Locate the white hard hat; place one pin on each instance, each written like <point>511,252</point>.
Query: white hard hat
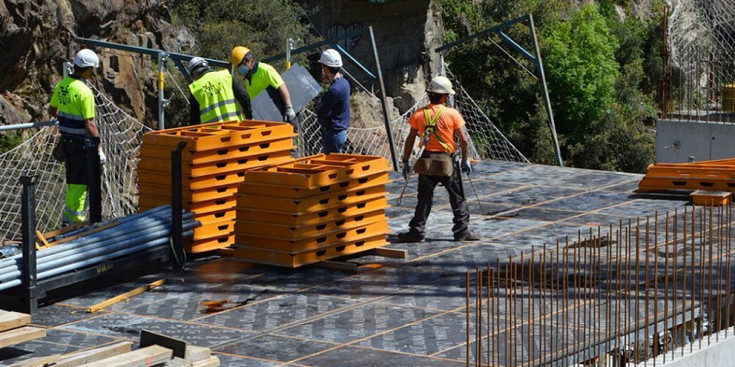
<point>331,58</point>
<point>86,58</point>
<point>197,63</point>
<point>440,85</point>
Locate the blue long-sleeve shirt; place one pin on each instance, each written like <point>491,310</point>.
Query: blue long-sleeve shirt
<point>333,109</point>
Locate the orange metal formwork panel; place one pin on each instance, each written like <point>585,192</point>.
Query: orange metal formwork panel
<point>148,151</point>
<point>291,192</point>
<point>163,192</point>
<point>683,183</point>
<point>310,205</point>
<point>320,170</point>
<point>296,219</point>
<point>216,216</point>
<point>260,229</point>
<point>708,172</point>
<point>702,197</point>
<point>216,168</point>
<point>264,256</point>
<point>160,178</point>
<point>338,237</point>
<point>219,135</point>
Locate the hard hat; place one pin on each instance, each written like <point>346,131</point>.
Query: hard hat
<point>238,53</point>
<point>86,58</point>
<point>331,58</point>
<point>197,63</point>
<point>440,85</point>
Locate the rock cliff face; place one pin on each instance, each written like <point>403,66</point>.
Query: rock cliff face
<point>38,36</point>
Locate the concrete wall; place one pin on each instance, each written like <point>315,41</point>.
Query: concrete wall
<point>677,140</point>
<point>406,32</point>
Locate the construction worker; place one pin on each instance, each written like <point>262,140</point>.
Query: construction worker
<point>333,108</point>
<point>259,76</point>
<point>72,103</point>
<point>215,95</point>
<point>438,125</point>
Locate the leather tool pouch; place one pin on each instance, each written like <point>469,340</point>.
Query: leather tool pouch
<point>435,165</point>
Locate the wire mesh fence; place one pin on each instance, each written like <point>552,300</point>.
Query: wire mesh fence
<point>700,61</point>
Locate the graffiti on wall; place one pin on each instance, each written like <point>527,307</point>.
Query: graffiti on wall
<point>337,30</point>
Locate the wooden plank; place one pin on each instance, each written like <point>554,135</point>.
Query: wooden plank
<point>209,362</point>
<point>143,357</point>
<point>38,361</point>
<point>21,335</point>
<point>92,355</point>
<point>194,354</point>
<point>388,252</point>
<point>66,229</point>
<point>95,230</point>
<point>178,347</point>
<point>122,297</point>
<point>41,241</point>
<point>11,320</point>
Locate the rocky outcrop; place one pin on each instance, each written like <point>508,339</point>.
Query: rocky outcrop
<point>38,36</point>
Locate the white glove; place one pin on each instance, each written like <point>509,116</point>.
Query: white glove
<point>289,114</point>
<point>103,157</point>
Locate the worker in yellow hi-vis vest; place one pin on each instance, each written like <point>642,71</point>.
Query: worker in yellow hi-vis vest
<point>215,95</point>
<point>73,105</point>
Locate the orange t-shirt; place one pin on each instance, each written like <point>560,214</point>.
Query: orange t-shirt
<point>449,121</point>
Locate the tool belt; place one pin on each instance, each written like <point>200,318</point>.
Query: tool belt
<point>434,164</point>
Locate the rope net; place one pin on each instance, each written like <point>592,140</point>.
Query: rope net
<point>121,137</point>
<point>486,141</point>
<point>701,43</point>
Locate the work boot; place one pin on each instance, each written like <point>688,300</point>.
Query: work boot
<point>410,237</point>
<point>467,236</point>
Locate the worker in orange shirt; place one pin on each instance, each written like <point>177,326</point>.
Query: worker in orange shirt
<point>438,125</point>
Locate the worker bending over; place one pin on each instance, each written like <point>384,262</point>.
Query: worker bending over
<point>259,76</point>
<point>333,108</point>
<point>438,125</point>
<point>72,103</point>
<point>215,95</point>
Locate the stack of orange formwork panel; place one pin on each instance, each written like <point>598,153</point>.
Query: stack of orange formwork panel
<point>214,163</point>
<point>313,209</point>
<point>715,175</point>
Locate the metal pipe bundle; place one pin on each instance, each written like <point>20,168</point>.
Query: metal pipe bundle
<point>135,233</point>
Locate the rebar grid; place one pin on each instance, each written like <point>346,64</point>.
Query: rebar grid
<point>634,293</point>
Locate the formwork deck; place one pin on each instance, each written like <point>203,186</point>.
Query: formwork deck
<point>392,312</point>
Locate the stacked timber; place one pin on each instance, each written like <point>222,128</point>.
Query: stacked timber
<point>14,329</point>
<point>313,209</point>
<point>214,163</point>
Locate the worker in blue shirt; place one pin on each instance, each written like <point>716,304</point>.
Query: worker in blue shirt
<point>333,108</point>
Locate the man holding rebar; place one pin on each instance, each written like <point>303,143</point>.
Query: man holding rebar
<point>438,125</point>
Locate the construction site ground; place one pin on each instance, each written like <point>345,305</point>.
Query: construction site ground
<point>390,312</point>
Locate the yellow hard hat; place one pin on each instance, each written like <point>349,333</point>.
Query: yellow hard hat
<point>237,54</point>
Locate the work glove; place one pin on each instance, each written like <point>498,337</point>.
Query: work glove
<point>406,170</point>
<point>289,114</point>
<point>103,157</point>
<point>466,168</point>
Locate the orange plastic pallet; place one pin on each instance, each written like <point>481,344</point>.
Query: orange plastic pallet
<point>219,155</point>
<point>260,229</point>
<point>219,135</point>
<point>213,230</point>
<point>310,205</point>
<point>216,243</point>
<point>678,183</point>
<point>302,193</point>
<point>319,170</point>
<point>327,240</point>
<point>331,214</point>
<point>263,256</point>
<point>158,178</point>
<point>209,169</point>
<point>163,192</point>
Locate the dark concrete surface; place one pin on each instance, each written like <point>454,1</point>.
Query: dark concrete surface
<point>392,312</point>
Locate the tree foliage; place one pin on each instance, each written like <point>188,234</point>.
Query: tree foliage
<point>603,68</point>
